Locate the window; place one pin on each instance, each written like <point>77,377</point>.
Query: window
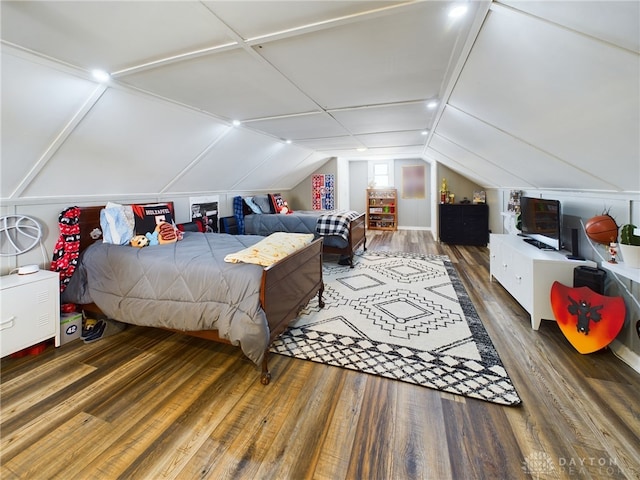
<point>381,174</point>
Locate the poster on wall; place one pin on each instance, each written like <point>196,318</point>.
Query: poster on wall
<point>205,209</point>
<point>413,181</point>
<point>322,191</point>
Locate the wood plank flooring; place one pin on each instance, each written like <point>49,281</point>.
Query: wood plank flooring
<point>149,404</point>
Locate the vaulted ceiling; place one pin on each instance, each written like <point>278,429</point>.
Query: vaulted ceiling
<point>510,94</point>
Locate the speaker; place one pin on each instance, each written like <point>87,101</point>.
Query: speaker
<point>574,246</point>
<point>591,277</point>
<point>574,242</point>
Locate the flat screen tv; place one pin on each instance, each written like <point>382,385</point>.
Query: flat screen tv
<point>541,222</point>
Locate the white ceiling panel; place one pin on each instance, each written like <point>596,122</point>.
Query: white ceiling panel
<point>412,53</point>
<point>238,153</point>
<point>230,84</point>
<point>126,144</point>
<point>593,18</point>
<point>252,19</point>
<point>515,156</point>
<point>300,127</point>
<point>111,35</point>
<point>459,165</point>
<point>375,153</point>
<point>390,118</point>
<point>520,84</point>
<point>347,143</point>
<point>569,95</point>
<point>372,140</point>
<point>483,171</point>
<point>37,102</point>
<point>272,170</point>
<point>300,171</point>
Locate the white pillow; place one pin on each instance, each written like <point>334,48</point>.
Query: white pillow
<point>117,223</point>
<point>251,204</point>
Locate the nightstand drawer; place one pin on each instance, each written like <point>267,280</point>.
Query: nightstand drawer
<point>30,310</point>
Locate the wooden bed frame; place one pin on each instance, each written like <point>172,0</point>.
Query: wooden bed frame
<point>357,237</point>
<point>286,286</point>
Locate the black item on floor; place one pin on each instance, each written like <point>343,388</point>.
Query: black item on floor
<point>229,225</point>
<point>591,277</point>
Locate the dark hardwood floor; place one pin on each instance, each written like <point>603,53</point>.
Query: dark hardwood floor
<point>150,404</point>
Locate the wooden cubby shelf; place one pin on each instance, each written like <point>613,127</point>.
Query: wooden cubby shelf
<point>382,209</point>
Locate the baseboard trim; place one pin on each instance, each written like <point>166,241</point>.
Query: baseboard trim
<point>428,229</point>
<point>625,354</point>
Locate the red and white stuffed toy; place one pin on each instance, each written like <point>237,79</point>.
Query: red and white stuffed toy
<point>167,233</point>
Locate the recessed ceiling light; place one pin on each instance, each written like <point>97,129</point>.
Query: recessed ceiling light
<point>236,123</point>
<point>361,149</point>
<point>287,141</point>
<point>424,132</point>
<point>432,104</point>
<point>458,11</point>
<point>100,75</point>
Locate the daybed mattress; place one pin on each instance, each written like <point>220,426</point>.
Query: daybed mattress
<point>301,221</point>
<point>185,285</point>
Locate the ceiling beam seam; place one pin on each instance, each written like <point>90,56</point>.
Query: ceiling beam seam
<point>534,147</point>
<point>299,164</point>
<point>196,160</point>
<point>513,11</point>
<point>42,59</point>
<point>457,166</point>
<point>479,156</point>
<point>472,37</point>
<point>60,139</point>
<point>256,166</point>
<point>174,59</point>
<point>262,60</point>
<point>326,24</point>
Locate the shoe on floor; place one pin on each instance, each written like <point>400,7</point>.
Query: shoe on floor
<point>105,328</point>
<point>88,326</point>
<point>344,261</point>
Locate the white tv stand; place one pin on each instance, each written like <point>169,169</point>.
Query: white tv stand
<point>528,273</point>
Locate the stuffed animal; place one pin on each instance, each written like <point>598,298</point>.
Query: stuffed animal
<point>166,233</point>
<point>285,210</point>
<point>153,238</point>
<point>139,241</point>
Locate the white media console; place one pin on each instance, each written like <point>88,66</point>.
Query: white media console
<point>528,273</point>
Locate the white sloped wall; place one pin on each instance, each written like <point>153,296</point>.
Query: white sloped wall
<point>549,97</point>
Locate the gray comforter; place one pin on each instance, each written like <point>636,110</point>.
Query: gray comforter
<point>301,221</point>
<point>186,285</point>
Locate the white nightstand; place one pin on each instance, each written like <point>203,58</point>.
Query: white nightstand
<point>29,310</point>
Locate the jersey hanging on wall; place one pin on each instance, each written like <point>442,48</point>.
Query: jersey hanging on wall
<point>322,191</point>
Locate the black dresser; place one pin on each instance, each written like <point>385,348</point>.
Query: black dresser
<point>464,224</point>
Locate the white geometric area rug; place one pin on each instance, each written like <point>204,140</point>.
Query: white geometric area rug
<point>402,316</point>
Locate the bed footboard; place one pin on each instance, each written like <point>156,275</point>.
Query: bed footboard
<point>357,237</point>
<point>287,286</point>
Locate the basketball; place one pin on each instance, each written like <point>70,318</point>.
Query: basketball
<point>602,229</point>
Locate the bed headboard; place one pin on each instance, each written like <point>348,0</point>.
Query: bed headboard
<point>89,222</point>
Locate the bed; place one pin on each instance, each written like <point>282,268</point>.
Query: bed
<point>343,232</point>
<point>187,286</point>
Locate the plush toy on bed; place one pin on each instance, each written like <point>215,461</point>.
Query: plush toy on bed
<point>167,233</point>
<point>139,241</point>
<point>285,209</point>
<point>152,238</point>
